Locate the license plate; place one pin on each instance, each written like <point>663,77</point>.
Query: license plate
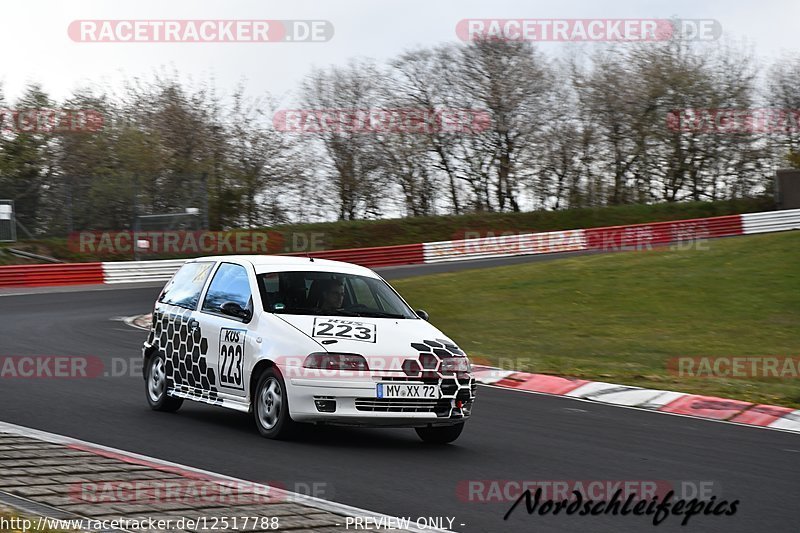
<point>406,390</point>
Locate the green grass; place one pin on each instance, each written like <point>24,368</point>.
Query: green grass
<point>619,317</point>
<point>366,233</point>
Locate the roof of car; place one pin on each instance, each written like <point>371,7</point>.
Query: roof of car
<point>279,263</point>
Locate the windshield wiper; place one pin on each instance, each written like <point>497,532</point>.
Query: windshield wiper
<point>315,311</point>
<point>380,314</point>
<point>341,312</point>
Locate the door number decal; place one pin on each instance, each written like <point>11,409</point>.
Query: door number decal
<point>231,358</point>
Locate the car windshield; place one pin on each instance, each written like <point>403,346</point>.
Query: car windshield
<point>330,293</point>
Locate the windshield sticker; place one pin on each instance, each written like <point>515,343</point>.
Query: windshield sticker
<point>335,328</point>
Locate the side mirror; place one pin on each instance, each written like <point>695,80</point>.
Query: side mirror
<point>235,310</point>
<point>422,314</point>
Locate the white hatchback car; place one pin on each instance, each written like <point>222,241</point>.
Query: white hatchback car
<point>303,340</point>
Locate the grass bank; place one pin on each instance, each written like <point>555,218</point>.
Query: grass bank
<point>366,233</point>
<point>620,317</point>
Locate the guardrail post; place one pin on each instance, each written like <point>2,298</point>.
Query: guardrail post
<point>787,188</point>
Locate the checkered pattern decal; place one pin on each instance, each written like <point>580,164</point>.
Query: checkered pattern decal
<point>458,386</point>
<point>181,341</point>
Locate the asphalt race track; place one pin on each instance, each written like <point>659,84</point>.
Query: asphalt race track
<point>512,435</point>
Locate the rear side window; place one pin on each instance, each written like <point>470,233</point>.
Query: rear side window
<point>230,284</point>
<point>185,287</point>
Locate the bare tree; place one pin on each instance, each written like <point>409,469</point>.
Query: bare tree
<point>262,161</point>
<point>512,82</point>
<point>693,163</point>
<point>358,188</point>
<point>27,163</point>
<point>783,92</point>
<point>610,96</point>
<point>424,78</point>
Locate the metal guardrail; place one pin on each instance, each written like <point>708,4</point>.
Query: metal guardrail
<point>140,271</point>
<point>50,275</point>
<point>771,221</point>
<point>637,236</point>
<point>506,245</point>
<point>610,238</point>
<point>382,256</point>
<point>642,237</point>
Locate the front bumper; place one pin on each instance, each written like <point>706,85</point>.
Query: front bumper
<point>356,401</point>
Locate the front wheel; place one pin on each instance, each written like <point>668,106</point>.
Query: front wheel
<point>156,386</point>
<point>440,434</point>
<point>271,407</point>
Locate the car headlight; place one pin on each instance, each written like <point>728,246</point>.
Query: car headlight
<point>336,361</point>
<point>455,364</point>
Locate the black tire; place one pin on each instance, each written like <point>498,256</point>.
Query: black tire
<point>156,384</point>
<point>271,406</point>
<point>440,434</point>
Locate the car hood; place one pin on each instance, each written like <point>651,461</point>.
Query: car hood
<point>385,342</point>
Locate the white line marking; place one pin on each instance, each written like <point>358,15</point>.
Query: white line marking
<point>129,320</point>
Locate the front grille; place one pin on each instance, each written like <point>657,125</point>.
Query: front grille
<point>464,395</point>
<point>449,387</point>
<point>396,405</point>
<point>406,379</point>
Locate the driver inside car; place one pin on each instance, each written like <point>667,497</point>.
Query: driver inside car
<point>326,294</point>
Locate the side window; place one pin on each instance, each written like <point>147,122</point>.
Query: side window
<point>270,290</point>
<point>362,294</point>
<point>230,284</point>
<point>187,283</point>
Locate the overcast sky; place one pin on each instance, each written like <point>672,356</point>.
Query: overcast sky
<point>36,46</point>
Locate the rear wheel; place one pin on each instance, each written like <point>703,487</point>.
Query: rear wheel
<point>156,386</point>
<point>271,406</point>
<point>440,434</point>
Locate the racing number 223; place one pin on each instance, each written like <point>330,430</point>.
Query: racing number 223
<point>354,330</point>
<point>231,355</point>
